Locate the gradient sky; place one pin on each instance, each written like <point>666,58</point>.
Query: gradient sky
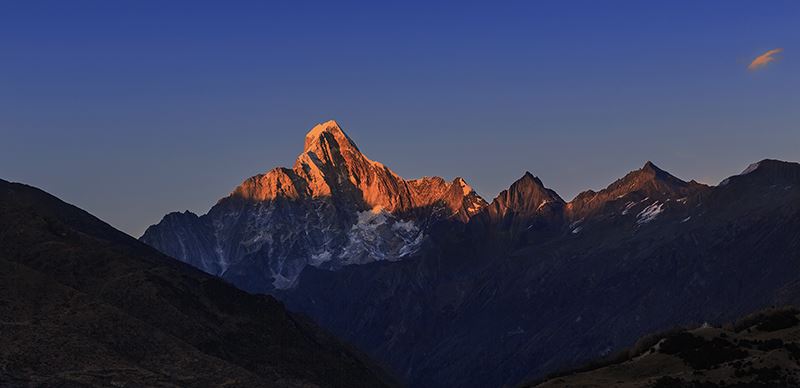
<point>132,109</point>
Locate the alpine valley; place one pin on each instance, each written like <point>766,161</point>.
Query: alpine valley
<point>449,290</point>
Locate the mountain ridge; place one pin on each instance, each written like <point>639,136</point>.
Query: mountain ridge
<point>428,287</point>
<point>543,294</point>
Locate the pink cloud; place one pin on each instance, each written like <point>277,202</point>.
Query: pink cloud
<point>763,59</point>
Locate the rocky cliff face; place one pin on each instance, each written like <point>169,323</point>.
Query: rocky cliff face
<point>335,207</point>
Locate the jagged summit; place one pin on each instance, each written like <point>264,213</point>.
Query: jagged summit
<point>531,184</point>
<point>329,131</point>
<point>526,197</point>
<point>649,177</point>
<point>529,178</point>
<point>331,166</point>
<point>650,168</point>
<point>334,207</point>
<point>649,182</point>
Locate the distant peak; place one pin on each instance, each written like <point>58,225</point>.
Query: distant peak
<point>650,166</point>
<point>529,183</point>
<point>771,170</point>
<point>321,133</point>
<point>768,165</point>
<point>327,126</point>
<point>651,172</point>
<point>527,196</point>
<point>765,163</point>
<point>529,178</point>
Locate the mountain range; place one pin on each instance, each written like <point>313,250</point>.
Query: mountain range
<point>449,290</point>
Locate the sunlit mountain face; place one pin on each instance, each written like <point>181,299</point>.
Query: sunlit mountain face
<point>427,277</point>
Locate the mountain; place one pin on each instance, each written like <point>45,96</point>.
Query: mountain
<point>82,304</point>
<point>335,207</point>
<point>448,290</point>
<point>760,350</point>
<point>642,185</point>
<point>522,291</point>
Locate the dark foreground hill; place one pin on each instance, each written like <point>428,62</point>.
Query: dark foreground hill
<point>761,350</point>
<point>82,304</point>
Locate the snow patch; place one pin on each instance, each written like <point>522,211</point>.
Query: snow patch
<point>378,235</point>
<point>320,258</point>
<point>406,226</point>
<point>751,168</point>
<point>628,208</point>
<point>650,213</point>
<point>370,219</point>
<point>411,247</point>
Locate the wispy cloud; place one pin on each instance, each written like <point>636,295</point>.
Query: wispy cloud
<point>763,59</point>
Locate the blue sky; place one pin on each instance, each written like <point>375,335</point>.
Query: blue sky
<point>132,109</point>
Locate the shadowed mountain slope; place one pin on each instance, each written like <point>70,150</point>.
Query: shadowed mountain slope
<point>82,304</point>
